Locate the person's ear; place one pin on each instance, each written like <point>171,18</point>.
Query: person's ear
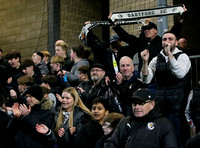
<point>152,104</point>
<point>107,112</point>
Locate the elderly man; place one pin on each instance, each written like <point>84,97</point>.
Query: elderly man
<point>145,127</point>
<point>97,87</point>
<point>171,71</point>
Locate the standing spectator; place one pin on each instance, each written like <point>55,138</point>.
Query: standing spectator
<point>84,73</point>
<point>92,131</point>
<point>109,57</point>
<point>23,83</point>
<point>148,39</point>
<point>62,49</point>
<point>4,120</point>
<point>97,87</point>
<point>50,82</point>
<point>26,117</point>
<point>110,122</point>
<point>73,115</point>
<point>37,58</point>
<point>127,83</point>
<point>192,111</point>
<point>46,58</point>
<point>145,128</point>
<point>183,45</point>
<point>57,63</point>
<point>29,68</point>
<point>77,57</point>
<point>13,73</point>
<point>171,70</point>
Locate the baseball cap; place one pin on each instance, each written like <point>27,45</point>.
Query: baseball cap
<point>114,38</point>
<point>141,95</point>
<point>149,26</point>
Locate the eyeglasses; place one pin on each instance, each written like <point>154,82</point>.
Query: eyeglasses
<point>96,70</point>
<point>140,103</point>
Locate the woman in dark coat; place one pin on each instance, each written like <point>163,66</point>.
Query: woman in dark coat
<point>73,115</point>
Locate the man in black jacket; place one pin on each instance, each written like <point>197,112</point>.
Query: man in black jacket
<point>145,128</point>
<point>109,57</point>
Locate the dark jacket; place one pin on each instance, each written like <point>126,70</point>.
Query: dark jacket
<point>88,135</point>
<point>152,131</point>
<point>103,91</point>
<point>23,130</point>
<point>103,54</point>
<point>80,118</point>
<point>126,89</point>
<point>139,44</point>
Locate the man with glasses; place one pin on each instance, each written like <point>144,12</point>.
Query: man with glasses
<point>98,87</point>
<point>146,127</point>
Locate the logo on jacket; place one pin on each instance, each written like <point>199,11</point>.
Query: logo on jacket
<point>150,126</point>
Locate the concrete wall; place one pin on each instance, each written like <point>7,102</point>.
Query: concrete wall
<point>20,22</point>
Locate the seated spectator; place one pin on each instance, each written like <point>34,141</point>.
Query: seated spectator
<point>37,58</point>
<point>110,122</point>
<point>92,131</point>
<point>25,118</point>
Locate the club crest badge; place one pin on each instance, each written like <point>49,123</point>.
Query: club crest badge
<point>150,126</point>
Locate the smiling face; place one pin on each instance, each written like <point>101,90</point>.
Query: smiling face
<point>150,33</point>
<point>14,62</point>
<point>126,67</point>
<point>67,102</point>
<point>98,112</point>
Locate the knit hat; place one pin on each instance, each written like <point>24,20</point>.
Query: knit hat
<point>35,91</point>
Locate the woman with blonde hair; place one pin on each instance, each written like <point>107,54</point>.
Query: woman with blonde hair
<point>73,115</point>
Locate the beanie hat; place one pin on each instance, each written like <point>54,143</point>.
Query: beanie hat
<point>35,91</point>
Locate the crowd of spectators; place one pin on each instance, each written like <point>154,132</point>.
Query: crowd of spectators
<point>66,100</point>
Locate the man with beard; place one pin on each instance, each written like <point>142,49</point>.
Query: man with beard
<point>171,71</point>
<point>109,57</point>
<point>98,87</point>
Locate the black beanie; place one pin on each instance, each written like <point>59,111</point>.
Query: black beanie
<point>35,91</point>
